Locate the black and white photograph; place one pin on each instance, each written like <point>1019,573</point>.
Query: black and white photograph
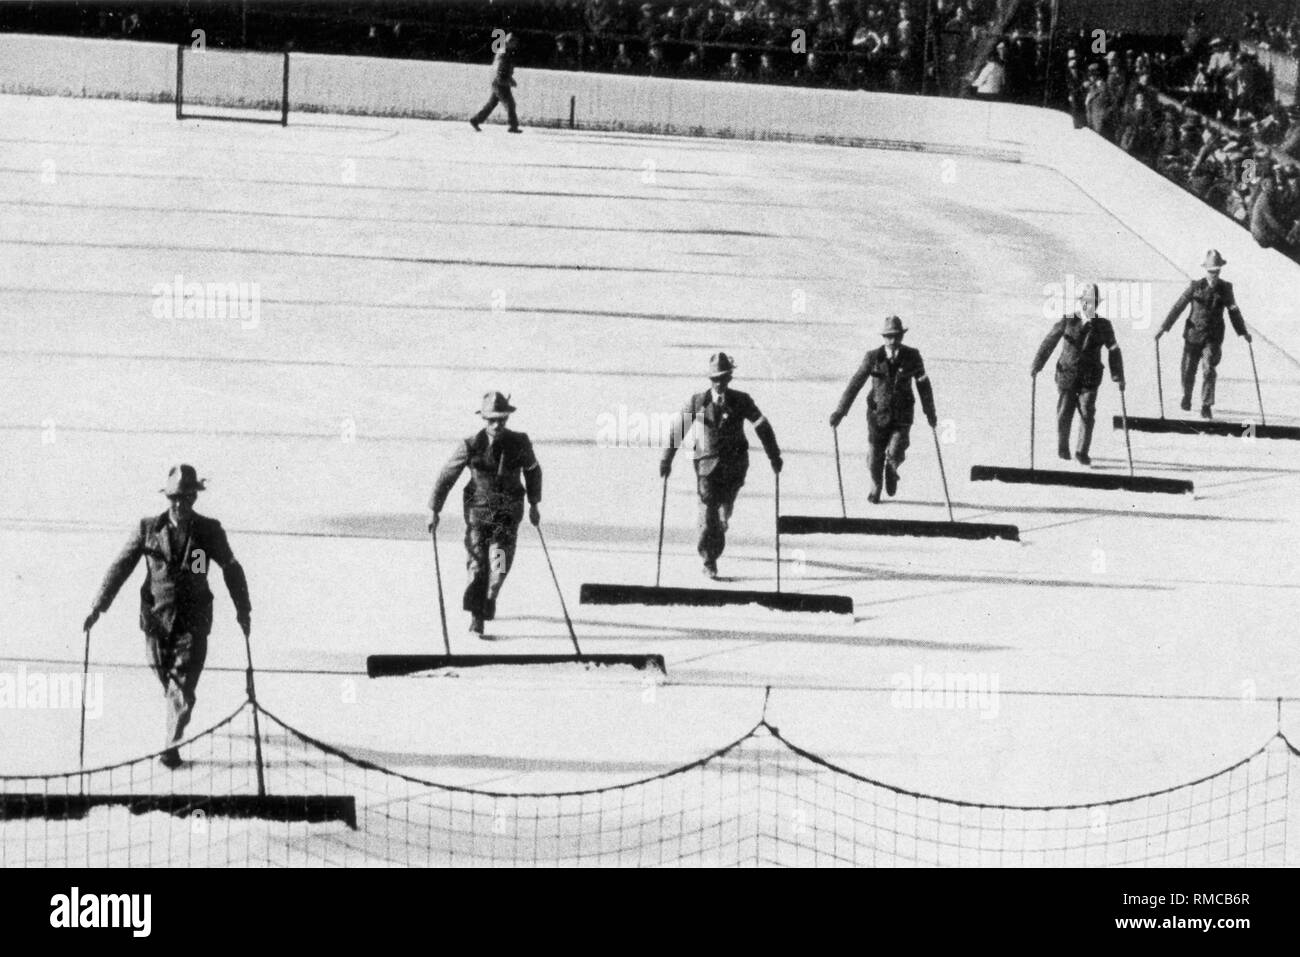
<point>690,433</point>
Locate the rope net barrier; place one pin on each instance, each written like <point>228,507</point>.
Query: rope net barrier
<point>759,801</point>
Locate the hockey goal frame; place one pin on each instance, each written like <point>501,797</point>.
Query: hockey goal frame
<point>182,114</point>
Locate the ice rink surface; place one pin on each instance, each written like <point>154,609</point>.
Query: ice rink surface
<point>404,268</point>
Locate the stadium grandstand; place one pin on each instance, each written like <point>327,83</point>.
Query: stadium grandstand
<point>1204,92</point>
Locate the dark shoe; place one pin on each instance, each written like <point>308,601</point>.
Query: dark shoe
<point>514,129</point>
<point>891,480</point>
<point>1205,412</point>
<point>1083,458</point>
<point>170,759</point>
<point>474,123</point>
<point>1186,404</point>
<point>476,625</point>
<point>874,497</point>
<point>711,570</point>
<point>489,609</point>
<point>1063,453</point>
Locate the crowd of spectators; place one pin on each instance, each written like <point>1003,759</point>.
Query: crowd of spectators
<point>866,44</point>
<point>855,44</point>
<point>1223,80</point>
<point>1239,174</point>
<point>1280,35</point>
<point>842,43</point>
<point>1223,136</point>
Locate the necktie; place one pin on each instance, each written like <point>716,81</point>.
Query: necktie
<point>177,537</point>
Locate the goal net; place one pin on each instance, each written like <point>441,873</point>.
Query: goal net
<point>216,84</point>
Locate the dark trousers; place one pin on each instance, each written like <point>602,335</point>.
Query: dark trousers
<point>1207,354</point>
<point>717,491</point>
<point>887,445</point>
<point>490,539</point>
<point>1067,402</point>
<point>177,662</point>
<point>500,94</point>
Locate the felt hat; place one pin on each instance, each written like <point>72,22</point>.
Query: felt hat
<point>721,364</point>
<point>893,327</point>
<point>182,480</point>
<point>496,406</point>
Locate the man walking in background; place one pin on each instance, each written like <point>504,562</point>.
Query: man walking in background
<point>891,407</point>
<point>718,416</point>
<point>1078,371</point>
<point>502,471</point>
<point>503,82</point>
<point>175,602</point>
<point>1204,332</point>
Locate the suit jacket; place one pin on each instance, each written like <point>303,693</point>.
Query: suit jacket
<point>1208,302</point>
<point>890,400</point>
<point>501,473</point>
<point>1080,364</point>
<point>720,430</point>
<point>175,597</point>
<point>503,68</point>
